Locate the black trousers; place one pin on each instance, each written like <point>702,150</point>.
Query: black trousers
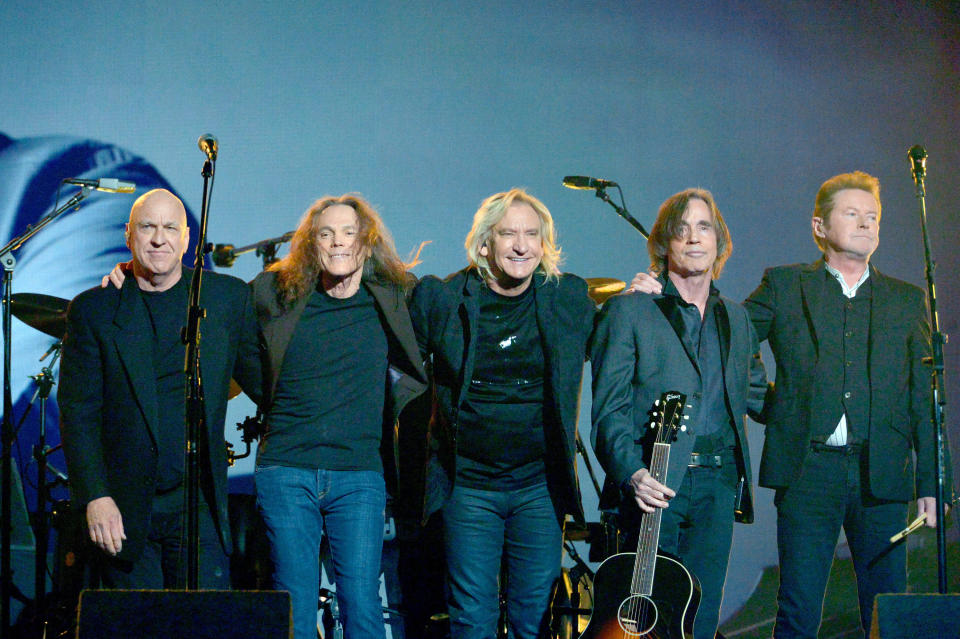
<point>697,527</point>
<point>163,563</point>
<point>829,494</point>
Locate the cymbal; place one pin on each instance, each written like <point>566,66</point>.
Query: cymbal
<point>603,288</point>
<point>46,313</point>
<point>573,531</point>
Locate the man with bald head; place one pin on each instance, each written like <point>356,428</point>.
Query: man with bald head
<point>122,405</point>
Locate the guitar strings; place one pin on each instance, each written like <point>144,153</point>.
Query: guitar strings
<point>643,573</point>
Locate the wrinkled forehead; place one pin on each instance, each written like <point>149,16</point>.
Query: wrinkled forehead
<point>159,208</point>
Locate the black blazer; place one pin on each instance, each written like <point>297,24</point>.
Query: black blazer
<point>445,315</point>
<point>788,310</point>
<point>108,403</point>
<point>637,355</point>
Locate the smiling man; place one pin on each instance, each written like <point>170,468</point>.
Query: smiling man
<point>506,338</point>
<point>121,396</point>
<point>691,340</point>
<point>342,361</point>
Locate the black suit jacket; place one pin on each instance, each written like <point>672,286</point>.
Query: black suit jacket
<point>108,402</point>
<point>637,355</point>
<point>445,315</point>
<point>788,310</point>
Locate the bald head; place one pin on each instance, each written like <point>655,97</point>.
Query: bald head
<point>157,236</point>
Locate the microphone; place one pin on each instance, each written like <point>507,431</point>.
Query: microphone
<point>583,182</point>
<point>208,144</point>
<point>918,161</point>
<point>223,255</point>
<point>107,185</point>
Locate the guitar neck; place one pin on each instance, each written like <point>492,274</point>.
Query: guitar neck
<point>642,583</point>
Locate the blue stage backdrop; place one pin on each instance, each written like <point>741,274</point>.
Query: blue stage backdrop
<point>427,107</point>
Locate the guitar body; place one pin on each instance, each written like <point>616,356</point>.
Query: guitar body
<point>667,613</point>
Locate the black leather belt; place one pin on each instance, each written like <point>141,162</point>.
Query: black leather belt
<point>849,449</point>
<point>702,460</point>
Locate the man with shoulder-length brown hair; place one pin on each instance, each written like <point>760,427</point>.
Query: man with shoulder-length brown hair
<point>690,340</point>
<point>337,333</point>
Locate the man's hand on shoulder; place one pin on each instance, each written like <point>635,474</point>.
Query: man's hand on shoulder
<point>645,283</point>
<point>648,492</point>
<point>105,525</point>
<point>117,275</point>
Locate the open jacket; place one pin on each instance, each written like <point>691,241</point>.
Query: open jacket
<point>109,407</point>
<point>788,309</point>
<point>406,378</point>
<point>637,355</point>
<point>445,316</point>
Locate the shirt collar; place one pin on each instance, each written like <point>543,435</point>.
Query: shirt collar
<point>849,291</point>
<point>670,289</point>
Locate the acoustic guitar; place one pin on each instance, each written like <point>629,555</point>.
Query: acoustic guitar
<point>647,594</point>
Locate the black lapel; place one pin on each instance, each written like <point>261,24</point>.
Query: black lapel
<point>814,294</point>
<point>723,330</point>
<point>470,318</point>
<point>390,301</point>
<point>133,341</point>
<point>671,310</point>
<point>544,300</point>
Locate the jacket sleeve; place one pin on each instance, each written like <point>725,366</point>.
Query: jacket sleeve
<point>758,379</point>
<point>247,370</point>
<point>761,306</point>
<point>613,357</point>
<point>80,399</point>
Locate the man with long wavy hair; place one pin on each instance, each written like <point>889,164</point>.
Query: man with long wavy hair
<point>507,339</point>
<point>337,334</point>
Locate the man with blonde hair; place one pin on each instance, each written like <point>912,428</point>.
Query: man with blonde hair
<point>506,339</point>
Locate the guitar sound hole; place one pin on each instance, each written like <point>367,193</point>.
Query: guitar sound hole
<point>637,615</point>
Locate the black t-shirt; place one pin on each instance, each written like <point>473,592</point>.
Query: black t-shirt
<point>167,311</point>
<point>328,405</point>
<point>500,439</point>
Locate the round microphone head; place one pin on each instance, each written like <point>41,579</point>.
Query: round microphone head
<point>917,153</point>
<point>208,144</point>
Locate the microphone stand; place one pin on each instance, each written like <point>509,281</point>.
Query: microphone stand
<point>226,254</point>
<point>195,406</point>
<point>938,400</point>
<point>7,433</point>
<point>45,384</point>
<point>622,211</point>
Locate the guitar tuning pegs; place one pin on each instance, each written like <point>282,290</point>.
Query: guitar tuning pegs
<point>656,402</point>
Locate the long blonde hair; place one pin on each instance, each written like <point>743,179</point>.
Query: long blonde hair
<point>490,213</point>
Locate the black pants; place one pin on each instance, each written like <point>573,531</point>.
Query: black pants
<point>163,563</point>
<point>829,494</point>
<point>697,527</point>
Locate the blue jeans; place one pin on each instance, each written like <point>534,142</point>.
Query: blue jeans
<point>298,505</point>
<point>479,527</point>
